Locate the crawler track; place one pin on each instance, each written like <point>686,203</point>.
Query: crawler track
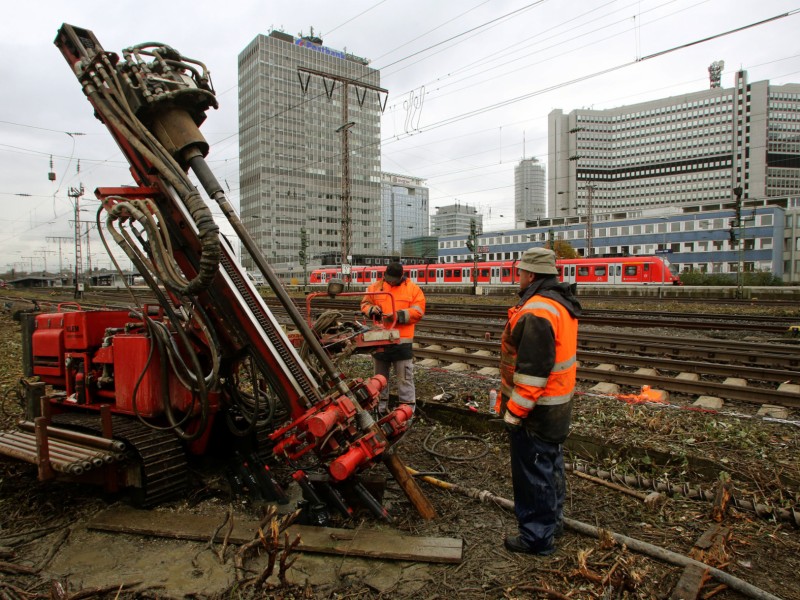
<point>159,453</point>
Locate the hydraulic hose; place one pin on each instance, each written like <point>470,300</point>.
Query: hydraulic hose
<point>209,182</point>
<point>637,545</point>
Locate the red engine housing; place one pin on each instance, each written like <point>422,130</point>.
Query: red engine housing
<point>104,357</point>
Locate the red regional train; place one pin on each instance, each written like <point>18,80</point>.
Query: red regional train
<point>629,270</point>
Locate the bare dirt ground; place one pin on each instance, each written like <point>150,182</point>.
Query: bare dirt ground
<point>46,550</point>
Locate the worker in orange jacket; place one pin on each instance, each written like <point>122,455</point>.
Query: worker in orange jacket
<point>408,304</point>
<point>537,370</point>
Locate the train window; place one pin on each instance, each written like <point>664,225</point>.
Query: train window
<point>630,270</point>
<point>572,270</point>
<point>484,272</point>
<point>583,271</point>
<point>448,272</point>
<point>600,271</point>
<point>646,267</point>
<point>506,272</point>
<point>618,269</point>
<point>456,272</point>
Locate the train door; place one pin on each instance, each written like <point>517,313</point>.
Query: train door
<point>647,273</point>
<point>614,273</point>
<point>439,275</point>
<point>496,276</point>
<point>568,274</point>
<point>323,277</point>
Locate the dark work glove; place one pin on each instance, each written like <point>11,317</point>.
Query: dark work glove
<point>375,312</point>
<point>402,317</point>
<point>511,422</point>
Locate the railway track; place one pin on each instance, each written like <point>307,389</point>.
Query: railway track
<point>468,334</point>
<point>480,312</point>
<point>732,379</point>
<point>601,317</point>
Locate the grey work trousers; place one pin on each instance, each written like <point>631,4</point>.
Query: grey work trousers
<point>404,374</point>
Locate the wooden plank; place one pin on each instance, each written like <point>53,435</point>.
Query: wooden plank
<point>690,583</point>
<point>712,536</point>
<point>369,543</point>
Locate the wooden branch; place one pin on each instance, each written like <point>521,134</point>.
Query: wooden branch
<point>7,567</point>
<point>722,498</point>
<point>543,590</point>
<point>89,592</point>
<point>210,544</point>
<point>285,564</point>
<point>53,549</point>
<point>227,539</point>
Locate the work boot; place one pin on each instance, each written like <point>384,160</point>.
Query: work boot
<point>513,543</point>
<point>559,530</point>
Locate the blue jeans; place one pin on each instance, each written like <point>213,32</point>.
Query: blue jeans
<point>537,472</point>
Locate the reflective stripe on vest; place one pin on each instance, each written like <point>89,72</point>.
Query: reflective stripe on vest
<point>530,380</point>
<point>531,306</point>
<point>564,364</point>
<point>554,400</point>
<point>543,400</point>
<point>521,401</point>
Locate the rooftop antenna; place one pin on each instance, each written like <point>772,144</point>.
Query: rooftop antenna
<point>715,73</point>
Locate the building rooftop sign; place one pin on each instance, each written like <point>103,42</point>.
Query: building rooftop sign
<point>319,48</point>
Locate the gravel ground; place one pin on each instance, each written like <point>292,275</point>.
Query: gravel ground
<point>660,444</point>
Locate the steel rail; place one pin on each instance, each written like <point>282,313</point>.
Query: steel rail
<point>667,364</point>
<point>750,395</point>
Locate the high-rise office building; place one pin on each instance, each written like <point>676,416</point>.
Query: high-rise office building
<point>455,219</point>
<point>679,151</point>
<point>404,211</point>
<point>291,127</point>
<point>529,184</point>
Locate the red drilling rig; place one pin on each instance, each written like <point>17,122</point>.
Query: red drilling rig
<point>124,397</point>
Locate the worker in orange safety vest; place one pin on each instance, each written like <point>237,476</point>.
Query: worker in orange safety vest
<point>537,370</point>
<point>409,307</point>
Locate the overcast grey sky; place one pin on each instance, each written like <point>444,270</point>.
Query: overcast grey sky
<point>487,72</point>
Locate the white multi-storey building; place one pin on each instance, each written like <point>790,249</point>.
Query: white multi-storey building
<point>685,150</point>
<point>529,191</point>
<point>291,123</point>
<point>455,219</point>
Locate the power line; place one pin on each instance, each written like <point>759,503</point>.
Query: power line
<point>363,12</point>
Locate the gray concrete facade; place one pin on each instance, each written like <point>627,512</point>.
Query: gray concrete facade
<point>692,149</point>
<point>290,158</point>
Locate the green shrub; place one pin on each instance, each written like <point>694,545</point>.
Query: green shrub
<point>760,279</point>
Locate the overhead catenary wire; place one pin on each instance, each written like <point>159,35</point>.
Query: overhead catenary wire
<point>389,141</point>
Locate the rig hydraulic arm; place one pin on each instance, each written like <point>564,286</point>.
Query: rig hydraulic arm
<point>210,350</point>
